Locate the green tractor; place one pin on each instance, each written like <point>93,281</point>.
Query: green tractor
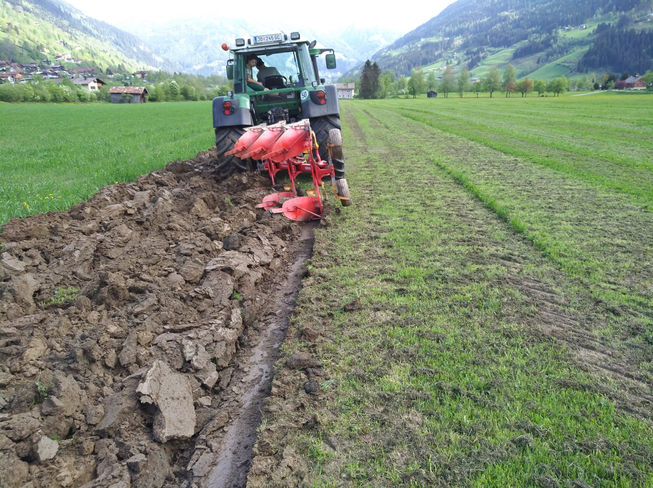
<point>275,78</point>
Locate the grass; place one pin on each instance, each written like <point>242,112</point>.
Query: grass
<point>62,296</point>
<point>580,189</point>
<point>462,365</point>
<point>54,156</point>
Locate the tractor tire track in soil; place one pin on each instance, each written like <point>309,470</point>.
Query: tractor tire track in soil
<point>139,329</point>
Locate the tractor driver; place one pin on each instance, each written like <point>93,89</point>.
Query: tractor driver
<point>251,82</point>
<point>265,71</point>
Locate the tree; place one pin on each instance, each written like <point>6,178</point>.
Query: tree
<point>525,86</point>
<point>401,86</point>
<point>648,78</point>
<point>558,85</point>
<point>509,76</point>
<point>173,90</point>
<point>493,80</point>
<point>477,87</point>
<point>463,81</point>
<point>511,87</point>
<point>189,92</point>
<point>369,83</point>
<point>375,77</point>
<point>448,82</point>
<point>431,81</point>
<point>540,87</point>
<point>388,78</point>
<point>416,82</point>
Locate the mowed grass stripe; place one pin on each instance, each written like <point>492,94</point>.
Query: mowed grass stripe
<point>628,146</point>
<point>600,238</point>
<point>612,115</point>
<point>636,180</point>
<point>54,156</point>
<point>435,379</point>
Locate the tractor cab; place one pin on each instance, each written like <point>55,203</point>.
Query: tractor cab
<point>287,63</point>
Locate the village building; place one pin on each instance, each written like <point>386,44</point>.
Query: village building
<point>630,83</point>
<point>635,83</point>
<point>128,94</point>
<point>345,90</point>
<point>91,84</point>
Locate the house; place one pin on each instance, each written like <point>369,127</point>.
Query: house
<point>431,94</point>
<point>345,90</point>
<point>141,74</point>
<point>91,84</point>
<point>634,83</point>
<point>7,78</point>
<point>128,94</point>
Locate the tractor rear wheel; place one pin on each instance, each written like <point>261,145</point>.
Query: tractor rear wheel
<point>321,126</point>
<point>334,147</point>
<point>225,138</point>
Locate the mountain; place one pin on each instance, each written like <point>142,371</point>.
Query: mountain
<point>34,30</point>
<point>193,45</point>
<point>541,38</point>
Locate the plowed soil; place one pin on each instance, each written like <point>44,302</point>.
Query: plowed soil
<point>138,330</point>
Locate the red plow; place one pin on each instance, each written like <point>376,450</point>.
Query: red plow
<point>293,148</point>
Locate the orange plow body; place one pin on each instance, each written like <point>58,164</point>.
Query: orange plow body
<point>293,148</point>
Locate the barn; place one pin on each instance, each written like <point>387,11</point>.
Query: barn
<point>128,94</point>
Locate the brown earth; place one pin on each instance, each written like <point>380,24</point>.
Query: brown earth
<point>129,331</point>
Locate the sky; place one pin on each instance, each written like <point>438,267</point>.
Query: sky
<point>338,13</point>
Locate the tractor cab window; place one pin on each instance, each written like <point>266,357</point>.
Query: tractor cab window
<point>283,67</point>
<point>279,70</point>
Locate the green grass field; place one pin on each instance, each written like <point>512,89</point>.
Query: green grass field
<point>53,156</point>
<point>501,254</point>
<point>483,312</point>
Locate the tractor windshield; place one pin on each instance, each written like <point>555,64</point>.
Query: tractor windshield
<point>283,67</point>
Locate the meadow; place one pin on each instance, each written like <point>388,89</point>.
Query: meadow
<point>53,156</point>
<point>483,313</point>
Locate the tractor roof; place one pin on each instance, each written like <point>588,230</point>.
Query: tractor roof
<point>256,43</point>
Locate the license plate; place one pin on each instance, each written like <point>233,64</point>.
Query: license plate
<point>267,38</point>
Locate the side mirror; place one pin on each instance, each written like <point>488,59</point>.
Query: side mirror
<point>230,69</point>
<point>330,61</point>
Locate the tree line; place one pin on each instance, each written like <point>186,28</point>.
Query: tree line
<point>376,84</point>
<point>161,86</point>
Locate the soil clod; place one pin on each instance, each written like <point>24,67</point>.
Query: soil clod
<point>138,331</point>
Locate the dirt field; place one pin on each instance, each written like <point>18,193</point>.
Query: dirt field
<point>139,330</point>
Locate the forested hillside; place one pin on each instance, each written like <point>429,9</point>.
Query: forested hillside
<point>33,30</point>
<point>557,37</point>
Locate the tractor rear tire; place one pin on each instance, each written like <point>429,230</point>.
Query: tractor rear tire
<point>321,126</point>
<point>225,138</point>
<point>338,160</point>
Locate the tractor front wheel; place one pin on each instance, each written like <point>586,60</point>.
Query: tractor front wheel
<point>225,138</point>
